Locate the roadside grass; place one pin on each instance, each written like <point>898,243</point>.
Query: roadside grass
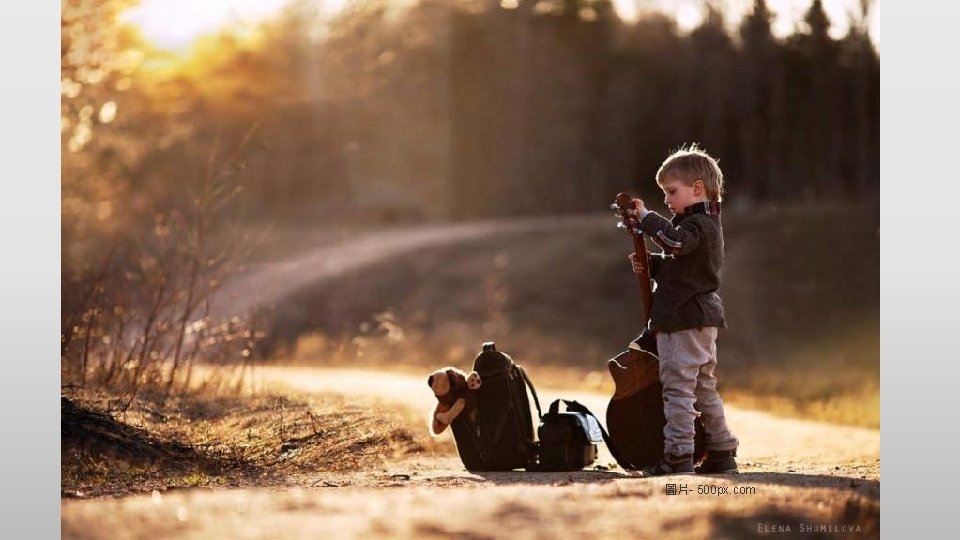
<point>209,439</point>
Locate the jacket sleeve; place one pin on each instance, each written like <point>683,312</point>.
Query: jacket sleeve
<point>655,260</point>
<point>675,241</point>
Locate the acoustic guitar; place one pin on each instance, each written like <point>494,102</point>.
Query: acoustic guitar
<point>635,417</point>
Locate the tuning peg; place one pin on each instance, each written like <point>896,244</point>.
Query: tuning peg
<point>626,228</point>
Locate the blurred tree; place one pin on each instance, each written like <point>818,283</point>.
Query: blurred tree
<point>143,190</point>
<point>818,23</point>
<point>861,66</point>
<point>816,144</point>
<point>528,86</point>
<point>478,108</point>
<point>650,99</point>
<point>711,82</point>
<point>97,57</point>
<point>761,138</point>
<point>97,60</point>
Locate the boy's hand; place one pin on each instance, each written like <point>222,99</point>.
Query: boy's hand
<point>635,264</point>
<point>638,206</point>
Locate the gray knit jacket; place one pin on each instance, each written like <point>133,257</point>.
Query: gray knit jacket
<point>688,271</point>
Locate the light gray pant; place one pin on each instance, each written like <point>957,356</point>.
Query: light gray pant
<point>688,359</point>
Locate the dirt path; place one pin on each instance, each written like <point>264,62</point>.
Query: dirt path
<point>268,282</point>
<point>797,475</point>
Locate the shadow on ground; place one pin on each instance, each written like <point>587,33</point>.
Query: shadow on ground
<point>867,488</point>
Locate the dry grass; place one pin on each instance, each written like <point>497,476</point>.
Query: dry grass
<point>223,439</point>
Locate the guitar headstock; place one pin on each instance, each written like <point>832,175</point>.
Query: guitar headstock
<point>625,210</point>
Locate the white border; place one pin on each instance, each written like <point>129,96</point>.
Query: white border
<point>30,272</point>
<point>919,254</point>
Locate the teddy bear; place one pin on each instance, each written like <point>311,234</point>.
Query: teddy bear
<point>456,392</point>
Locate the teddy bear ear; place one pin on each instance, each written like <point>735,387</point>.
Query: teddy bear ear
<point>430,381</point>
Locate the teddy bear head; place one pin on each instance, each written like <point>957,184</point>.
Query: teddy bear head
<point>439,382</point>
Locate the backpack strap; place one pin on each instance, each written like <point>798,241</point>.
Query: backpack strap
<point>497,431</point>
<point>555,406</point>
<point>576,406</point>
<point>533,390</point>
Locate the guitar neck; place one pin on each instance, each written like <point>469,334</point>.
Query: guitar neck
<point>624,205</point>
<point>646,293</point>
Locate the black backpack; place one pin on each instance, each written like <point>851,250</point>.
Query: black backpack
<point>502,438</point>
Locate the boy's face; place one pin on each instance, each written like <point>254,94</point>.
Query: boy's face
<point>678,195</point>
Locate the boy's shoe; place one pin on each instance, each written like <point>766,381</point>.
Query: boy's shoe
<point>719,462</point>
<point>670,464</point>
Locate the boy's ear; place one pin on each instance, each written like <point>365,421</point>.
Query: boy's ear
<point>699,188</point>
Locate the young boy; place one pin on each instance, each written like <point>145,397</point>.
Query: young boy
<point>687,312</point>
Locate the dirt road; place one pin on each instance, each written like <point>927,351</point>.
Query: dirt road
<point>267,282</point>
<point>796,475</point>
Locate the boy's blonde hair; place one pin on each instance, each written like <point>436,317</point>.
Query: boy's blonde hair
<point>692,163</point>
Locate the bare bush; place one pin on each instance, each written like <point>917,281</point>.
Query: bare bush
<point>142,316</point>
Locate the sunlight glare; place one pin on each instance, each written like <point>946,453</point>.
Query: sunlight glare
<point>789,13</point>
<point>628,10</point>
<point>175,24</point>
<point>689,16</point>
<point>108,112</point>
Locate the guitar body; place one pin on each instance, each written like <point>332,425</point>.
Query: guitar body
<point>635,417</point>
